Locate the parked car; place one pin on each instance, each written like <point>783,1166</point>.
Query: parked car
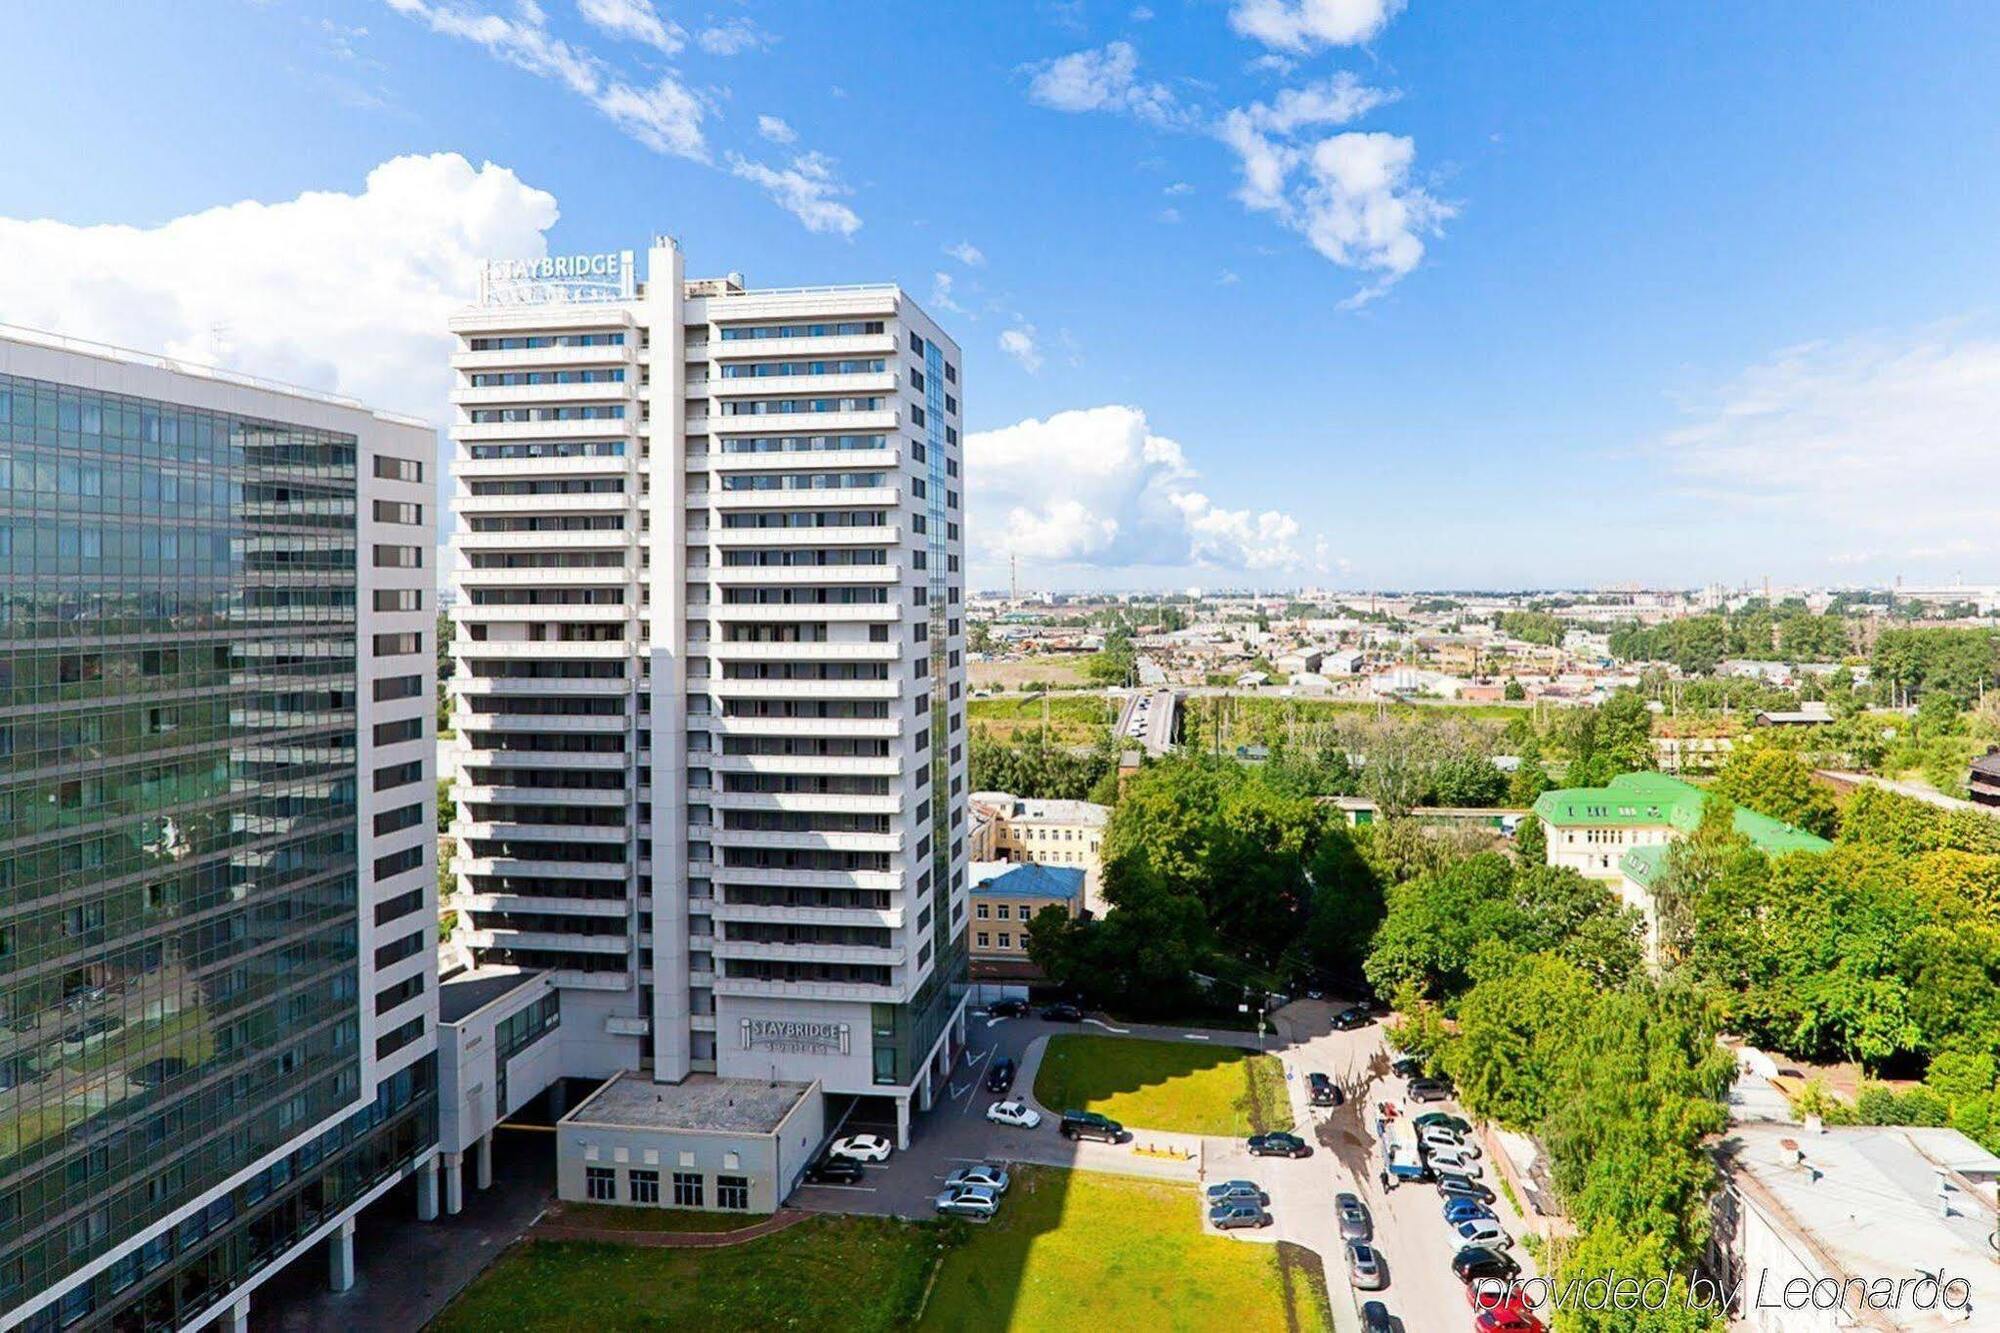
<point>1279,1145</point>
<point>1485,1231</point>
<point>1477,1263</point>
<point>1365,1269</point>
<point>1062,1012</point>
<point>1018,1114</point>
<point>1237,1215</point>
<point>986,1175</point>
<point>1464,1210</point>
<point>861,1148</point>
<point>1429,1090</point>
<point>1408,1067</point>
<point>1352,1017</point>
<point>1438,1136</point>
<point>835,1171</point>
<point>1091,1125</point>
<point>1511,1319</point>
<point>1236,1191</point>
<point>1498,1308</point>
<point>1355,1223</point>
<point>972,1202</point>
<point>1009,1008</point>
<point>1450,1161</point>
<point>1323,1091</point>
<point>1463,1187</point>
<point>1375,1318</point>
<point>1000,1077</point>
<point>1442,1120</point>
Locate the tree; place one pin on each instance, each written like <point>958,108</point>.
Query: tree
<point>1514,1026</point>
<point>1468,780</point>
<point>1513,690</point>
<point>1776,782</point>
<point>1531,841</point>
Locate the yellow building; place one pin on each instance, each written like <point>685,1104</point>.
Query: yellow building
<point>1005,898</point>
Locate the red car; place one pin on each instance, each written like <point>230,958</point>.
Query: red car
<point>1495,1311</point>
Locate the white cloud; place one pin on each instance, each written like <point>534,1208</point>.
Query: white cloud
<point>776,130</point>
<point>1104,80</point>
<point>1097,487</point>
<point>966,253</point>
<point>1141,14</point>
<point>1019,343</point>
<point>1178,187</point>
<point>368,317</point>
<point>1170,215</point>
<point>634,20</point>
<point>1227,278</point>
<point>807,189</point>
<point>941,297</point>
<point>1869,444</point>
<point>665,117</point>
<point>1273,63</point>
<point>733,37</point>
<point>1338,100</point>
<point>1304,26</point>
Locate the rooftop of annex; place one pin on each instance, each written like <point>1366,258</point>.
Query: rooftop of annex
<point>1641,800</point>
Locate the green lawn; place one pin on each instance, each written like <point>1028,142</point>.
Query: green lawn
<point>1182,1086</point>
<point>855,1274</point>
<point>1072,719</point>
<point>1081,1250</point>
<point>618,1218</point>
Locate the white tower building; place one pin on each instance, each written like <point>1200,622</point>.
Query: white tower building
<point>710,678</point>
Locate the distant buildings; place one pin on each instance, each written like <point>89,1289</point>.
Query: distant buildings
<point>1982,783</point>
<point>1619,834</point>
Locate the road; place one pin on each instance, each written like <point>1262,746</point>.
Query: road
<point>1410,1229</point>
<point>1148,719</point>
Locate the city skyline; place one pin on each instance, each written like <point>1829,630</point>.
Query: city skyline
<point>1515,301</point>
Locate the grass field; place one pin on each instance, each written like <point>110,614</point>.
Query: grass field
<point>1058,670</point>
<point>1080,1250</point>
<point>852,1273</point>
<point>1182,1087</point>
<point>616,1218</point>
<point>1073,719</point>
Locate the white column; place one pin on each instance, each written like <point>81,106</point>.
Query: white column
<point>237,1320</point>
<point>958,1023</point>
<point>340,1256</point>
<point>902,1122</point>
<point>924,1088</point>
<point>482,1164</point>
<point>427,1190</point>
<point>454,1183</point>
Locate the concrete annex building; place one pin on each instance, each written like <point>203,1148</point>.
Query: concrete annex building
<point>218,899</point>
<point>710,684</point>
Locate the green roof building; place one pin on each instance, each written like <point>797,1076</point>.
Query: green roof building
<point>1619,833</point>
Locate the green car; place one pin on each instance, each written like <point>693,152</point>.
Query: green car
<point>1450,1122</point>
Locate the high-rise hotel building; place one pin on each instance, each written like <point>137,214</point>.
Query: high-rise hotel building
<point>217,889</point>
<point>709,677</point>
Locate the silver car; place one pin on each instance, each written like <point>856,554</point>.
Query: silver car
<point>973,1201</point>
<point>1365,1269</point>
<point>1236,1191</point>
<point>1355,1223</point>
<point>985,1174</point>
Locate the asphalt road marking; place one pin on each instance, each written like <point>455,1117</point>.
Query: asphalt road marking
<point>1193,1036</point>
<point>1106,1026</point>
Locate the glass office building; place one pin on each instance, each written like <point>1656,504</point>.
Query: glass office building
<point>195,1071</point>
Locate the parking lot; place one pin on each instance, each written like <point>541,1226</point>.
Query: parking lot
<point>1410,1231</point>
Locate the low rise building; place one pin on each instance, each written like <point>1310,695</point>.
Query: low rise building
<point>1053,833</point>
<point>1005,897</point>
<point>1982,783</point>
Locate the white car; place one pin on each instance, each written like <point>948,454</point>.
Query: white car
<point>974,1201</point>
<point>861,1148</point>
<point>1447,1160</point>
<point>984,1175</point>
<point>1436,1138</point>
<point>1482,1231</point>
<point>1018,1114</point>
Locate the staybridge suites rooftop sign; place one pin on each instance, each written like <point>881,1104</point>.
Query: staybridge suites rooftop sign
<point>558,279</point>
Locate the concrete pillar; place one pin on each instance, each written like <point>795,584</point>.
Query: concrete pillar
<point>237,1320</point>
<point>482,1164</point>
<point>902,1122</point>
<point>924,1088</point>
<point>454,1183</point>
<point>340,1257</point>
<point>427,1190</point>
<point>958,1024</point>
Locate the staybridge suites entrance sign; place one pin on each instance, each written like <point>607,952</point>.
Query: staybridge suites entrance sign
<point>559,280</point>
<point>797,1036</point>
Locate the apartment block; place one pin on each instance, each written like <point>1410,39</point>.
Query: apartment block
<point>218,901</point>
<point>710,681</point>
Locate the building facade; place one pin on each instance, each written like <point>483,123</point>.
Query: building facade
<point>710,670</point>
<point>1005,897</point>
<point>218,901</point>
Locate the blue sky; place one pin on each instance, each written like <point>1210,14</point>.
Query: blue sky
<point>1601,293</point>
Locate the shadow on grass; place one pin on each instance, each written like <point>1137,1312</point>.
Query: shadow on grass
<point>1171,1086</point>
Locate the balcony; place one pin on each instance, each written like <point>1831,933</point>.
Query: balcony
<point>731,611</point>
<point>471,686</point>
<point>615,836</point>
<point>801,764</point>
<point>766,538</point>
<point>542,939</point>
<point>538,358</point>
<point>806,802</point>
<point>808,952</point>
<point>527,395</point>
<point>891,917</point>
<point>804,689</point>
<point>489,650</point>
<point>467,866</point>
<point>879,421</point>
<point>533,795</point>
<point>724,651</point>
<point>881,727</point>
<point>819,349</point>
<point>602,428</point>
<point>809,990</point>
<point>609,576</point>
<point>544,504</point>
<point>464,719</point>
<point>860,497</point>
<point>876,383</point>
<point>722,575</point>
<point>542,759</point>
<point>524,902</point>
<point>829,842</point>
<point>587,464</point>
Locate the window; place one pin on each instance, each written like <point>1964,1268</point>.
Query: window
<point>403,729</point>
<point>399,775</point>
<point>399,557</point>
<point>600,1183</point>
<point>398,469</point>
<point>391,688</point>
<point>1004,912</point>
<point>401,905</point>
<point>394,821</point>
<point>397,950</point>
<point>980,910</point>
<point>398,511</point>
<point>916,343</point>
<point>410,858</point>
<point>644,1186</point>
<point>687,1189</point>
<point>399,599</point>
<point>984,940</point>
<point>389,1044</point>
<point>732,1192</point>
<point>398,645</point>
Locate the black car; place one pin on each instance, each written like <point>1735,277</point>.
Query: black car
<point>1091,1125</point>
<point>1062,1012</point>
<point>1001,1076</point>
<point>1375,1318</point>
<point>1429,1090</point>
<point>1323,1091</point>
<point>1352,1017</point>
<point>1408,1067</point>
<point>1476,1263</point>
<point>834,1171</point>
<point>1452,1186</point>
<point>1279,1145</point>
<point>1009,1008</point>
